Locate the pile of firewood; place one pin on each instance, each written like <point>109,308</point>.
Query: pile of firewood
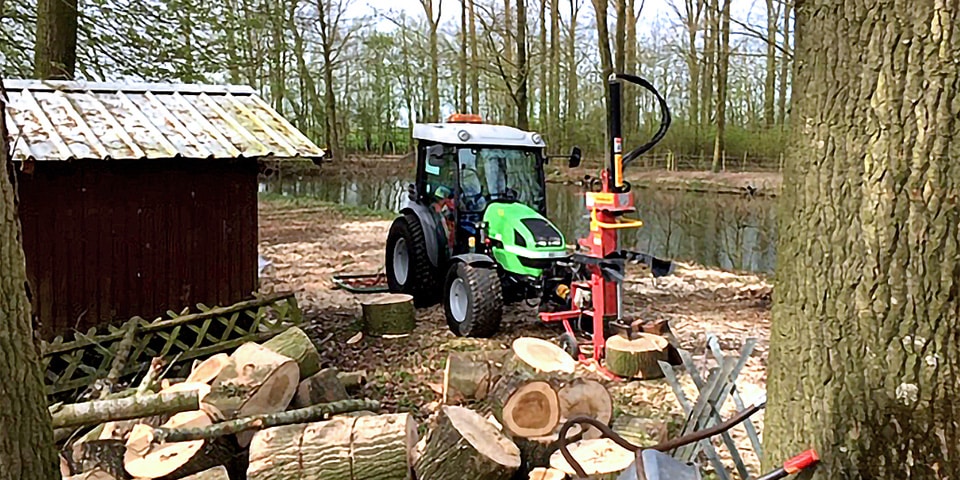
<point>266,411</point>
<point>527,393</point>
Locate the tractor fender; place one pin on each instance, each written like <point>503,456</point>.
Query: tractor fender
<point>474,259</point>
<point>429,225</point>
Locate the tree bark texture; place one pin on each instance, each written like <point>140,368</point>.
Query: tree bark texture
<point>26,435</point>
<point>474,61</point>
<point>770,80</point>
<point>523,116</point>
<point>784,65</point>
<point>864,347</point>
<point>723,70</point>
<point>55,52</point>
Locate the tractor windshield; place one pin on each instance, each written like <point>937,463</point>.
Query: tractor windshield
<point>506,174</point>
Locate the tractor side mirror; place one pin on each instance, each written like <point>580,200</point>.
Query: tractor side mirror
<point>575,155</point>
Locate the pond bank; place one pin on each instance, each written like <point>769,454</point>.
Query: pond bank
<point>307,242</point>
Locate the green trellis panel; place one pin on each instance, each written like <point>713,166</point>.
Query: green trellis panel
<point>74,364</point>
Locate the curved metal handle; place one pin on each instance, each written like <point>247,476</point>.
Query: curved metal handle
<point>630,223</point>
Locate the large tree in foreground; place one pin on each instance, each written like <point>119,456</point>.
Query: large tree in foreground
<point>865,348</point>
<point>26,435</point>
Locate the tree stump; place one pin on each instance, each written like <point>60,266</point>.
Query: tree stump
<point>636,358</point>
<point>462,445</point>
<point>525,406</point>
<point>294,343</point>
<point>145,459</point>
<point>207,370</point>
<point>585,397</point>
<point>257,380</point>
<point>323,387</point>
<point>601,458</point>
<point>382,447</point>
<point>469,375</point>
<point>546,474</point>
<point>388,314</point>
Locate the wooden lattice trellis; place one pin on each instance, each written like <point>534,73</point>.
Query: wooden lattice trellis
<point>70,365</point>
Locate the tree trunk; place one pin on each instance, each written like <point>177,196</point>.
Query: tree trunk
<point>525,406</point>
<point>606,61</point>
<point>636,358</point>
<point>294,343</point>
<point>474,61</point>
<point>433,88</point>
<point>571,118</point>
<point>323,387</point>
<point>864,344</point>
<point>99,411</point>
<point>584,397</point>
<point>723,68</point>
<point>630,65</point>
<point>207,370</point>
<point>523,119</point>
<point>770,81</point>
<point>784,65</point>
<point>388,314</point>
<point>543,98</point>
<point>709,61</point>
<point>55,51</point>
<point>468,375</point>
<point>26,437</point>
<point>693,12</point>
<point>146,459</point>
<point>464,72</point>
<point>553,89</point>
<point>381,446</point>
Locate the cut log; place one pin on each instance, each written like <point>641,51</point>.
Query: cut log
<point>546,474</point>
<point>382,446</point>
<point>636,358</point>
<point>462,445</point>
<point>257,380</point>
<point>294,343</point>
<point>145,458</point>
<point>352,380</point>
<point>323,387</point>
<point>585,397</point>
<point>469,375</point>
<point>535,452</point>
<point>260,422</point>
<point>640,431</point>
<point>541,356</point>
<point>99,411</point>
<point>215,473</point>
<point>601,458</point>
<point>388,314</point>
<point>313,450</point>
<point>102,455</point>
<point>207,370</point>
<point>526,407</point>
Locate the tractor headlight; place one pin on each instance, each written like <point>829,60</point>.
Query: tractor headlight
<point>536,138</point>
<point>463,135</point>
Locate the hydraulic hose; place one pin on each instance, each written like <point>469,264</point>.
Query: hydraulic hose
<point>665,117</point>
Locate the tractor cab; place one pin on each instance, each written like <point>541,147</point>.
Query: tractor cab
<point>478,207</point>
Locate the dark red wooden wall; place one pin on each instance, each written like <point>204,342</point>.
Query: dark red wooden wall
<point>108,240</point>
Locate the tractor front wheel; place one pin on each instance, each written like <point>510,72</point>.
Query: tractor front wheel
<point>408,265</point>
<point>474,300</point>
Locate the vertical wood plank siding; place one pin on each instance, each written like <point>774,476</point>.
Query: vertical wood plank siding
<point>107,240</point>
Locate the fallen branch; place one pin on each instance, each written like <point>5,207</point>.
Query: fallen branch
<point>99,411</point>
<point>259,422</point>
<point>121,356</point>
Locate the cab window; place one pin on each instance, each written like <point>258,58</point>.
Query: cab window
<point>440,168</point>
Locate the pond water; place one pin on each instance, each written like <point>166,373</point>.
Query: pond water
<point>717,230</point>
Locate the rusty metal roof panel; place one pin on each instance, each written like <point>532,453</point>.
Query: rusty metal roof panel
<point>52,120</point>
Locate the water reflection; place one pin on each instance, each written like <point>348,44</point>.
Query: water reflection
<point>726,231</point>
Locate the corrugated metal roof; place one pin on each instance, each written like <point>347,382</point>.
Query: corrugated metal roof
<point>55,120</point>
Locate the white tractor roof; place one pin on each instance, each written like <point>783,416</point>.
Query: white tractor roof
<point>476,134</point>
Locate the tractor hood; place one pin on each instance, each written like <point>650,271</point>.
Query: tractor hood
<point>524,242</point>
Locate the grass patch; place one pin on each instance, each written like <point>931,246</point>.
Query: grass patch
<point>284,202</point>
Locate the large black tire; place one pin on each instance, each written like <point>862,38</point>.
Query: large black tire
<point>473,300</point>
<point>415,275</point>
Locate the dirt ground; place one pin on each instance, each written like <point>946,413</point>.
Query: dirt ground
<point>307,245</point>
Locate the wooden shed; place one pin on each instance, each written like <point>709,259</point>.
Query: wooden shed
<point>136,199</point>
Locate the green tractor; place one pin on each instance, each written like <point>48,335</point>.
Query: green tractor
<point>474,233</point>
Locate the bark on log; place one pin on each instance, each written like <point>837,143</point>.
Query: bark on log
<point>463,444</point>
<point>313,450</point>
<point>93,475</point>
<point>207,370</point>
<point>260,422</point>
<point>120,357</point>
<point>588,398</point>
<point>323,387</point>
<point>601,458</point>
<point>294,343</point>
<point>469,375</point>
<point>352,379</point>
<point>546,474</point>
<point>99,411</point>
<point>256,381</point>
<point>636,358</point>
<point>145,458</point>
<point>525,405</point>
<point>215,473</point>
<point>382,447</point>
<point>388,314</point>
<point>103,455</point>
<point>535,452</point>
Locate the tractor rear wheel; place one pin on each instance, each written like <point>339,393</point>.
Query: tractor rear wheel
<point>408,265</point>
<point>473,300</point>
